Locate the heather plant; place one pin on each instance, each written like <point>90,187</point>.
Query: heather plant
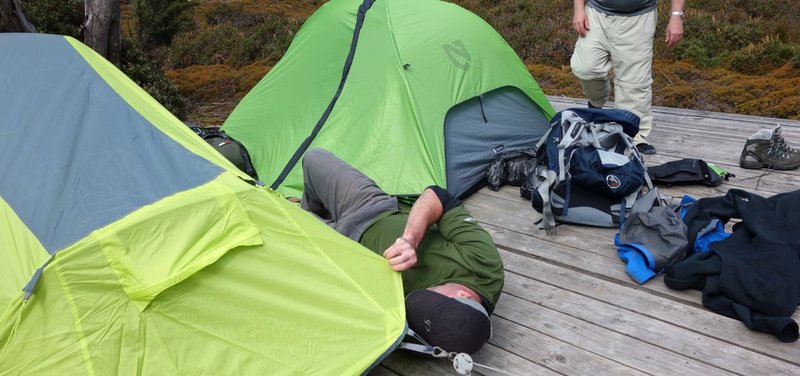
<point>267,41</point>
<point>232,14</point>
<point>213,45</point>
<point>235,36</point>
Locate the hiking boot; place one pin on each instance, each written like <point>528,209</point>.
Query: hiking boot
<point>768,149</point>
<point>646,148</point>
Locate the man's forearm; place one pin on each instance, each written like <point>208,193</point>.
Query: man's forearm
<point>578,4</point>
<point>426,211</point>
<point>675,5</point>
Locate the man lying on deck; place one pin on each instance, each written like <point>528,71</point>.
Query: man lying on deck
<point>452,273</point>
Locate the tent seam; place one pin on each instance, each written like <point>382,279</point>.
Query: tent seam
<point>409,93</point>
<point>318,249</point>
<point>76,317</point>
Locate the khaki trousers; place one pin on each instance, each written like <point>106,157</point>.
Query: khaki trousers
<point>624,43</point>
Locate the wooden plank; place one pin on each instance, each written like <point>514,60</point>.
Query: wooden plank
<point>764,182</point>
<point>728,130</point>
<point>598,305</point>
<point>683,146</point>
<point>628,351</point>
<point>382,371</point>
<point>579,261</point>
<point>560,103</point>
<point>406,363</point>
<point>568,307</point>
<point>661,307</point>
<point>505,361</point>
<point>547,351</point>
<point>589,239</point>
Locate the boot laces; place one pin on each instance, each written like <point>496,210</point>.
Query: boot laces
<point>779,143</point>
<point>777,151</point>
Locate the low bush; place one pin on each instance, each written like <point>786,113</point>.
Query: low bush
<point>232,14</point>
<point>736,56</point>
<point>267,41</point>
<point>141,69</point>
<point>223,42</point>
<point>214,90</point>
<point>63,17</point>
<point>213,45</point>
<point>158,21</point>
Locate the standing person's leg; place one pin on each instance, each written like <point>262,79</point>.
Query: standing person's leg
<point>632,56</point>
<point>591,60</point>
<point>340,195</point>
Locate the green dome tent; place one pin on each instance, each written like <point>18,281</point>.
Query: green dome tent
<point>129,246</point>
<point>411,92</point>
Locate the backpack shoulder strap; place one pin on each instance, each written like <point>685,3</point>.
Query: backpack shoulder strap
<point>547,178</point>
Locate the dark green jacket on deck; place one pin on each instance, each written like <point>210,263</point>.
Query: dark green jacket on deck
<point>456,249</point>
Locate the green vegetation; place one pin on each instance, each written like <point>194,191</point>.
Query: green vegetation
<point>234,36</point>
<point>63,17</point>
<point>158,21</point>
<point>737,56</point>
<point>141,69</point>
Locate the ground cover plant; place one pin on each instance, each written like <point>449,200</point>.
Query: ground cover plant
<point>737,56</point>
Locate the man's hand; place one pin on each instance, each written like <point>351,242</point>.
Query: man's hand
<point>674,31</point>
<point>401,255</point>
<point>579,21</point>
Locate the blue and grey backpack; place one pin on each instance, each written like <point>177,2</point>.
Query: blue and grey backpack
<point>588,170</point>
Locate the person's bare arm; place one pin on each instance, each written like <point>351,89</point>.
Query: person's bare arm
<point>427,210</point>
<point>675,27</point>
<point>579,20</point>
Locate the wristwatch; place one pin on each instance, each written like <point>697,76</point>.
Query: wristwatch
<point>677,13</point>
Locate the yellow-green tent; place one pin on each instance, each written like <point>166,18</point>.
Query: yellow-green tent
<point>129,246</point>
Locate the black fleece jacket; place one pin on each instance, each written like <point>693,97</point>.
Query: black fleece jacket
<point>753,275</point>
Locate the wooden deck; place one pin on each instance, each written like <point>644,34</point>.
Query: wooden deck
<point>569,308</point>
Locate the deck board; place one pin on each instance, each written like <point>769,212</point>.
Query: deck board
<point>568,307</point>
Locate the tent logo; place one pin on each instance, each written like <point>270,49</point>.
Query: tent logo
<point>458,54</point>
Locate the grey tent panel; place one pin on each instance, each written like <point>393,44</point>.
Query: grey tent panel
<point>505,118</point>
<point>76,157</point>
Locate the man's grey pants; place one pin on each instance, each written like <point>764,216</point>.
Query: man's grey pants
<point>340,195</point>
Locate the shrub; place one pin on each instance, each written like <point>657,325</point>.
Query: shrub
<point>539,31</point>
<point>216,89</point>
<point>225,43</point>
<point>235,15</point>
<point>63,17</point>
<point>763,58</point>
<point>269,40</point>
<point>141,69</point>
<point>708,41</point>
<point>158,21</point>
<point>214,45</point>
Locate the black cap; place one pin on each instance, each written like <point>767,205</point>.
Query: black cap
<point>455,325</point>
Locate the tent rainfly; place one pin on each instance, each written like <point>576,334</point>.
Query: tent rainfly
<point>128,246</point>
<point>410,92</point>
